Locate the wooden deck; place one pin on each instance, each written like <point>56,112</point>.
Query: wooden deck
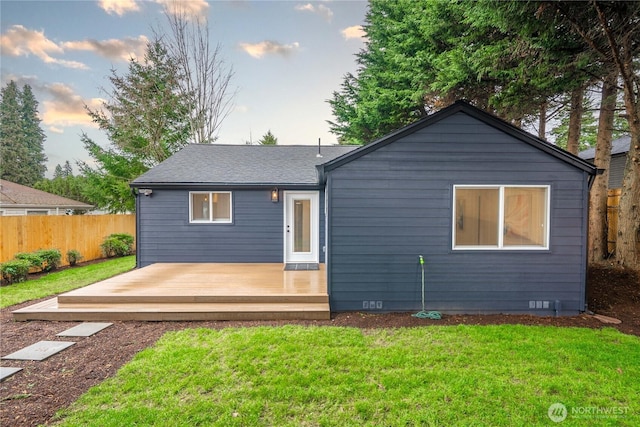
<point>162,292</point>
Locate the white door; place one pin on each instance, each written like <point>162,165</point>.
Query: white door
<point>301,226</point>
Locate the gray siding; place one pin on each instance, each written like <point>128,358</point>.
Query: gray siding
<point>256,234</point>
<point>395,203</point>
<point>616,170</point>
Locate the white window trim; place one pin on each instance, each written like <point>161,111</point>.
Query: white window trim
<point>500,246</point>
<point>210,220</point>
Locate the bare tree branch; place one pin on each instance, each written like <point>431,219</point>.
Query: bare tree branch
<point>206,77</point>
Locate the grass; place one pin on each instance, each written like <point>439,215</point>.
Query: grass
<point>505,375</point>
<point>63,281</point>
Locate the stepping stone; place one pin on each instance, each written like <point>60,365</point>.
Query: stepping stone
<point>40,350</point>
<point>7,372</point>
<point>84,329</point>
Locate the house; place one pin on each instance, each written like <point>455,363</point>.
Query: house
<point>17,200</point>
<point>499,215</point>
<point>619,150</point>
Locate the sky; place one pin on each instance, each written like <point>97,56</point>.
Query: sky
<point>287,58</point>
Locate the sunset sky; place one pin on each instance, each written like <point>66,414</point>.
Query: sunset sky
<point>288,57</point>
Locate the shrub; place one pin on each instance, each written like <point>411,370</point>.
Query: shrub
<point>15,271</point>
<point>34,259</point>
<point>118,244</point>
<point>52,259</point>
<point>73,256</point>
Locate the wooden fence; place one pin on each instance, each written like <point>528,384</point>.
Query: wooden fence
<point>613,201</point>
<point>64,232</point>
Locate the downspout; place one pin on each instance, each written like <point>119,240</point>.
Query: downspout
<point>592,177</point>
<point>325,181</point>
<point>135,195</point>
<point>328,235</point>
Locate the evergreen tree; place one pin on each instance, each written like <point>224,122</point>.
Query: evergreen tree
<point>22,158</point>
<point>268,139</point>
<point>71,187</point>
<point>421,56</point>
<point>13,149</point>
<point>67,170</point>
<point>58,173</point>
<point>146,118</point>
<point>33,133</point>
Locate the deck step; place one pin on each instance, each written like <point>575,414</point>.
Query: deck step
<point>73,299</point>
<point>50,310</point>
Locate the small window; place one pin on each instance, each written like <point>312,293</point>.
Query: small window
<point>501,217</point>
<point>210,207</point>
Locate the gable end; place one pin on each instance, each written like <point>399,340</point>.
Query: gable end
<point>462,107</point>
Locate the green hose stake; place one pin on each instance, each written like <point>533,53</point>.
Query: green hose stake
<point>425,314</point>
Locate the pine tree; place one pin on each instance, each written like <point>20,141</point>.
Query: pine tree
<point>268,139</point>
<point>22,158</point>
<point>67,170</point>
<point>146,119</point>
<point>34,135</point>
<point>13,152</point>
<point>58,173</point>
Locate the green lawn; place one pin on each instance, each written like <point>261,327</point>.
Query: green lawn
<point>63,281</point>
<point>504,375</point>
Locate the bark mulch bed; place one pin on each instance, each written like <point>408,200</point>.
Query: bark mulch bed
<point>32,396</point>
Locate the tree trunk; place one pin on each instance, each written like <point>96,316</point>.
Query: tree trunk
<point>575,120</point>
<point>542,126</point>
<point>629,209</point>
<point>598,225</point>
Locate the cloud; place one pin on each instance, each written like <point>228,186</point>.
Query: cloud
<point>20,41</point>
<point>54,129</point>
<point>66,108</point>
<point>321,10</point>
<point>354,32</point>
<point>188,8</point>
<point>268,47</point>
<point>21,80</point>
<point>62,107</point>
<point>241,109</point>
<point>113,49</point>
<point>119,7</point>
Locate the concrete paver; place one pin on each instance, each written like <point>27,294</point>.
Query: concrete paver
<point>40,350</point>
<point>7,372</point>
<point>84,329</point>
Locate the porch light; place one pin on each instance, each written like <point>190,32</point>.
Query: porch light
<point>274,195</point>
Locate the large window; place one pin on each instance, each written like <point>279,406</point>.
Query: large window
<point>501,217</point>
<point>210,207</point>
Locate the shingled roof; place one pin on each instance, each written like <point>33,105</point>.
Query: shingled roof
<point>618,146</point>
<point>14,195</point>
<point>245,165</point>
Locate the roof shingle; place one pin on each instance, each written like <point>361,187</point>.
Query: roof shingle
<point>618,146</point>
<point>14,195</point>
<point>242,165</point>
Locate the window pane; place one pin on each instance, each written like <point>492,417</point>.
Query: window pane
<point>302,226</point>
<point>476,216</point>
<point>525,217</point>
<point>199,207</point>
<point>221,206</point>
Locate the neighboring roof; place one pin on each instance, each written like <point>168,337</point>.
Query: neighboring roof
<point>241,165</point>
<point>14,195</point>
<point>618,146</point>
<point>464,107</point>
